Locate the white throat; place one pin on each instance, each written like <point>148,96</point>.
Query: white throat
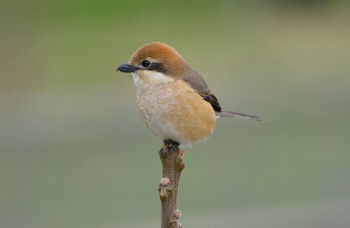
<point>145,79</point>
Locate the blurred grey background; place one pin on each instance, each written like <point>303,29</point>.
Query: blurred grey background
<point>73,152</point>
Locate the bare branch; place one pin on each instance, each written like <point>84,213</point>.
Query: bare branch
<point>171,157</point>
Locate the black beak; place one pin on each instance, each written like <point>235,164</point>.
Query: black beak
<point>126,68</point>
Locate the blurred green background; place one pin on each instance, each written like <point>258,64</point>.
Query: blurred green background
<point>73,152</point>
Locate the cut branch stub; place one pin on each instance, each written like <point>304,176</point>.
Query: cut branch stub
<point>175,221</point>
<point>164,188</point>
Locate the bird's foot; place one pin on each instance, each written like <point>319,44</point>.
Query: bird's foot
<point>168,146</point>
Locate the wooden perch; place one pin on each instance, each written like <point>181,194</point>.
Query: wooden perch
<point>172,165</point>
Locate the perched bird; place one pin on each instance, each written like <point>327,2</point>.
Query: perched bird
<point>173,99</point>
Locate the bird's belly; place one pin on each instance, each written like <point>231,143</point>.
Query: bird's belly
<point>177,113</point>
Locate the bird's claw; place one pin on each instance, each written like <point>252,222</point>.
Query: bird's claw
<point>168,145</point>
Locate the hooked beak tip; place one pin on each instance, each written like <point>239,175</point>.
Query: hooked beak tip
<point>127,68</point>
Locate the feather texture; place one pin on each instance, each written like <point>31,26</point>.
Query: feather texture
<point>226,114</point>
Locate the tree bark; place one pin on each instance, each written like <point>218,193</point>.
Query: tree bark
<point>171,157</point>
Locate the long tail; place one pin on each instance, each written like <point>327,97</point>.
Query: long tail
<point>237,115</point>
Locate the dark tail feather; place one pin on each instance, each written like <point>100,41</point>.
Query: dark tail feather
<point>237,115</point>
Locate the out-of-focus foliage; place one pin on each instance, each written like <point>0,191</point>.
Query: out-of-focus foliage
<point>73,152</point>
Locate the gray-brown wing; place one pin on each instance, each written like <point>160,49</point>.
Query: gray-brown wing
<point>194,79</point>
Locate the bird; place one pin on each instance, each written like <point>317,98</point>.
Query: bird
<point>173,100</point>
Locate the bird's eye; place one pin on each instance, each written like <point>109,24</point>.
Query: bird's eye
<point>146,63</point>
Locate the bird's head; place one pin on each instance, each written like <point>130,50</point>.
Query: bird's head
<point>155,63</point>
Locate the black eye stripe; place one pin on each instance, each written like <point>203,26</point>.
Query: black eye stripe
<point>159,67</point>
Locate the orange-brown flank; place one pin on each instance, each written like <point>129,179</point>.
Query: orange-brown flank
<point>175,111</point>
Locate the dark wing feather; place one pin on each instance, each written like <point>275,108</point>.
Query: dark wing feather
<point>212,100</point>
<point>194,79</point>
